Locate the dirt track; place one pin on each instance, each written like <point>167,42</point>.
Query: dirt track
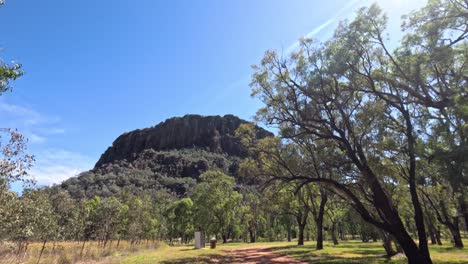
<point>255,255</point>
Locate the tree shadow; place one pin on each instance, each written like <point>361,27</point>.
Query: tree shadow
<point>205,259</point>
<point>312,255</point>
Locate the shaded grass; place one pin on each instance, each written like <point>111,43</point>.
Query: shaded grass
<point>373,253</point>
<point>346,252</point>
<point>182,254</point>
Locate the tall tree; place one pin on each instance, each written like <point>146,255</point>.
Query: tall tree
<point>254,214</point>
<point>217,204</point>
<point>181,218</point>
<point>354,93</point>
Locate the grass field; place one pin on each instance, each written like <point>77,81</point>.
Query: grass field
<point>70,252</point>
<point>346,252</point>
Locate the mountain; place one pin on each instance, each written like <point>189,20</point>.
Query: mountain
<point>167,157</point>
<point>212,133</point>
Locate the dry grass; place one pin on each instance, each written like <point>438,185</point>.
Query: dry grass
<point>346,252</point>
<point>69,252</point>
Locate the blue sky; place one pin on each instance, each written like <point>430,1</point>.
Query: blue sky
<point>95,69</point>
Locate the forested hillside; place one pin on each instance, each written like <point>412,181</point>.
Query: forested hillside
<point>168,157</point>
<point>212,133</point>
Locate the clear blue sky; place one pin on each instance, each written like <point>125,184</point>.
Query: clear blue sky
<point>95,69</point>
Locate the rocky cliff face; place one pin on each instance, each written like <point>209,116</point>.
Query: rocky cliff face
<point>212,133</point>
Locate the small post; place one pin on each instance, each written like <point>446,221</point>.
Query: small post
<point>199,240</point>
<point>213,243</point>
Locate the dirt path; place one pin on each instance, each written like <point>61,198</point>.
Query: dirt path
<point>255,255</point>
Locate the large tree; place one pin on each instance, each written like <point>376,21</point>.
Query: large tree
<point>366,102</point>
<point>217,206</point>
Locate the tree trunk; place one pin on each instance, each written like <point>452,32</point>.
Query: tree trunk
<point>389,212</point>
<point>253,237</point>
<point>455,231</point>
<point>289,231</point>
<point>340,231</point>
<point>418,212</point>
<point>301,218</point>
<point>364,237</point>
<point>319,224</point>
<point>387,244</point>
<point>432,235</point>
<point>300,240</point>
<point>82,248</point>
<point>224,238</point>
<point>319,219</point>
<point>333,234</point>
<point>19,248</point>
<point>118,242</point>
<point>464,210</point>
<point>437,235</point>
<point>42,251</point>
<point>451,224</point>
<point>412,252</point>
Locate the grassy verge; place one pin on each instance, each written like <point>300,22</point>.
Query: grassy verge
<point>69,252</point>
<point>346,252</point>
<point>373,253</point>
<point>181,254</point>
<point>143,253</point>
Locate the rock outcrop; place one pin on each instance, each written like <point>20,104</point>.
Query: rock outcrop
<point>211,133</point>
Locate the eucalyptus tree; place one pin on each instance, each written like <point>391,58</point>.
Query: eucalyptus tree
<point>216,204</point>
<point>29,218</point>
<point>108,215</point>
<point>67,212</point>
<point>335,212</point>
<point>283,159</point>
<point>318,199</point>
<point>180,216</point>
<point>254,215</point>
<point>443,195</point>
<point>432,62</point>
<point>138,223</point>
<point>295,203</point>
<point>14,160</point>
<point>43,220</point>
<point>355,94</point>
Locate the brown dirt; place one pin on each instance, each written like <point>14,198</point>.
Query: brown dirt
<point>255,255</point>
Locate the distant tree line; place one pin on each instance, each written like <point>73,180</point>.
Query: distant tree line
<point>176,171</point>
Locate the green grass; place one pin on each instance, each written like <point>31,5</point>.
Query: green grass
<point>358,252</point>
<point>346,252</point>
<point>180,254</point>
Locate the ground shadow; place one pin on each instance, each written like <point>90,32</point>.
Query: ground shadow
<point>246,256</point>
<point>206,259</point>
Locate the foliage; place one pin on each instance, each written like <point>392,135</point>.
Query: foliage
<point>372,106</point>
<point>176,171</point>
<point>14,161</point>
<point>217,204</point>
